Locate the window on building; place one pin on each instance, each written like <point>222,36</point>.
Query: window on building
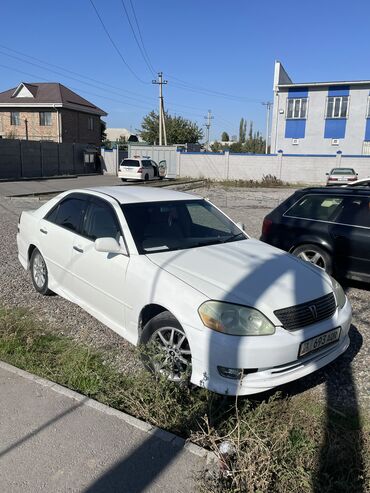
<point>90,123</point>
<point>297,108</point>
<point>337,107</point>
<point>45,118</point>
<point>15,118</point>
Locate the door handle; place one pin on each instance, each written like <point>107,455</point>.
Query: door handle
<point>43,231</point>
<point>80,250</point>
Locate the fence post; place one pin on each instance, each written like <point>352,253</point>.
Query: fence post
<point>73,158</point>
<point>338,158</point>
<point>21,157</point>
<point>58,158</point>
<point>227,158</point>
<point>280,157</point>
<point>41,159</point>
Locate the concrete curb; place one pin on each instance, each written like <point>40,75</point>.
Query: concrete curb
<point>163,435</point>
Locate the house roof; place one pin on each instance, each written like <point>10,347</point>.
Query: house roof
<point>46,94</point>
<point>325,84</point>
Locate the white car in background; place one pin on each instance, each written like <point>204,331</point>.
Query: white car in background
<point>233,314</point>
<point>341,176</point>
<point>141,168</point>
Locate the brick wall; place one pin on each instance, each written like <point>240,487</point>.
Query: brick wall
<point>35,131</point>
<point>75,127</point>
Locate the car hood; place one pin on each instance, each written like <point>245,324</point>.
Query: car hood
<point>247,272</point>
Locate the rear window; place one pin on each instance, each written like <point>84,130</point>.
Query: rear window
<point>131,162</point>
<point>321,207</point>
<point>342,171</point>
<point>68,214</point>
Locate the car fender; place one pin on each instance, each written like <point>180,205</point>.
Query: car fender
<point>313,240</point>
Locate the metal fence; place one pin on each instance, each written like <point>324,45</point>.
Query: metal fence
<point>32,159</point>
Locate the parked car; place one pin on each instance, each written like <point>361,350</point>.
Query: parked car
<point>141,169</point>
<point>341,176</point>
<point>327,227</point>
<point>169,268</point>
<point>365,182</point>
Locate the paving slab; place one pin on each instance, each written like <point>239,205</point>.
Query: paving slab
<point>52,442</point>
<point>25,187</point>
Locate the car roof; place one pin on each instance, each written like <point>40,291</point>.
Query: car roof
<point>128,194</point>
<point>336,190</point>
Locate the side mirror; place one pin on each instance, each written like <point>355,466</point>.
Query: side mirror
<point>241,226</point>
<point>108,245</point>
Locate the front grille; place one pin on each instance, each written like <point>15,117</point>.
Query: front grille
<point>295,317</point>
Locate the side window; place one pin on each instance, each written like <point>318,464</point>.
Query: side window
<point>201,216</point>
<point>356,211</point>
<point>320,207</point>
<point>68,214</point>
<point>101,222</point>
<point>147,164</point>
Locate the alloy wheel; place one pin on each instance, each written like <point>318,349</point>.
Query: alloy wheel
<point>313,257</point>
<point>172,357</point>
<point>39,270</point>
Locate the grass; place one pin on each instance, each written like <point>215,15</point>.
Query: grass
<point>267,181</point>
<point>278,445</point>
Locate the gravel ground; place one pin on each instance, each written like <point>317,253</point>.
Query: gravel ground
<point>344,383</point>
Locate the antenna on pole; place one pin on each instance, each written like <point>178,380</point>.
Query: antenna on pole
<point>268,105</point>
<point>162,123</point>
<point>208,126</point>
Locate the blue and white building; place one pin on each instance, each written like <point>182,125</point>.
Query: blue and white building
<point>320,117</point>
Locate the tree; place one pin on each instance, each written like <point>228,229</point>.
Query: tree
<point>103,134</point>
<point>225,137</point>
<point>178,129</point>
<point>242,130</point>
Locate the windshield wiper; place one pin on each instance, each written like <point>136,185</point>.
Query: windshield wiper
<point>234,237</point>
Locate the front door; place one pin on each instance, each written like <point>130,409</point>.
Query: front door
<point>100,277</point>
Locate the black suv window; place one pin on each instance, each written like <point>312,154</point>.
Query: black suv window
<point>320,207</point>
<point>356,211</point>
<point>101,222</point>
<point>68,213</point>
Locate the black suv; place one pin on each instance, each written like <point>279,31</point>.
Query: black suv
<point>328,227</point>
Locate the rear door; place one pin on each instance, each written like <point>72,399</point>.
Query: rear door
<point>129,169</point>
<point>351,236</point>
<point>57,236</point>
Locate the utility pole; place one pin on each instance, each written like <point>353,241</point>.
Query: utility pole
<point>208,126</point>
<point>162,124</point>
<point>26,124</point>
<point>268,105</point>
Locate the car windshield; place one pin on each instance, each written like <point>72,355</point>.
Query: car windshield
<point>342,171</point>
<point>178,225</point>
<point>130,162</point>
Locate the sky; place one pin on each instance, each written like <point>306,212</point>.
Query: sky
<point>216,55</point>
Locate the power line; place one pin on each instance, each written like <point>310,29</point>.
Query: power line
<point>139,31</point>
<point>75,88</point>
<point>193,88</point>
<point>146,60</point>
<point>115,46</point>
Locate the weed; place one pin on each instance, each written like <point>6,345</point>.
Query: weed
<point>278,445</point>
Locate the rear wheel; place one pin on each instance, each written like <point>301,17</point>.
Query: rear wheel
<point>315,255</point>
<point>146,177</point>
<point>168,351</point>
<point>39,273</point>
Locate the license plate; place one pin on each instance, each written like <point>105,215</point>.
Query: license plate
<point>127,169</point>
<point>319,341</point>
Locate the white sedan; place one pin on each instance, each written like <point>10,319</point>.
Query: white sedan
<point>231,313</point>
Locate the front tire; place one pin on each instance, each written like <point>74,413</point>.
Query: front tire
<point>39,273</point>
<point>315,255</point>
<point>168,351</point>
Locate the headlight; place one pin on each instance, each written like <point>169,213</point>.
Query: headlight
<point>340,295</point>
<point>235,320</point>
